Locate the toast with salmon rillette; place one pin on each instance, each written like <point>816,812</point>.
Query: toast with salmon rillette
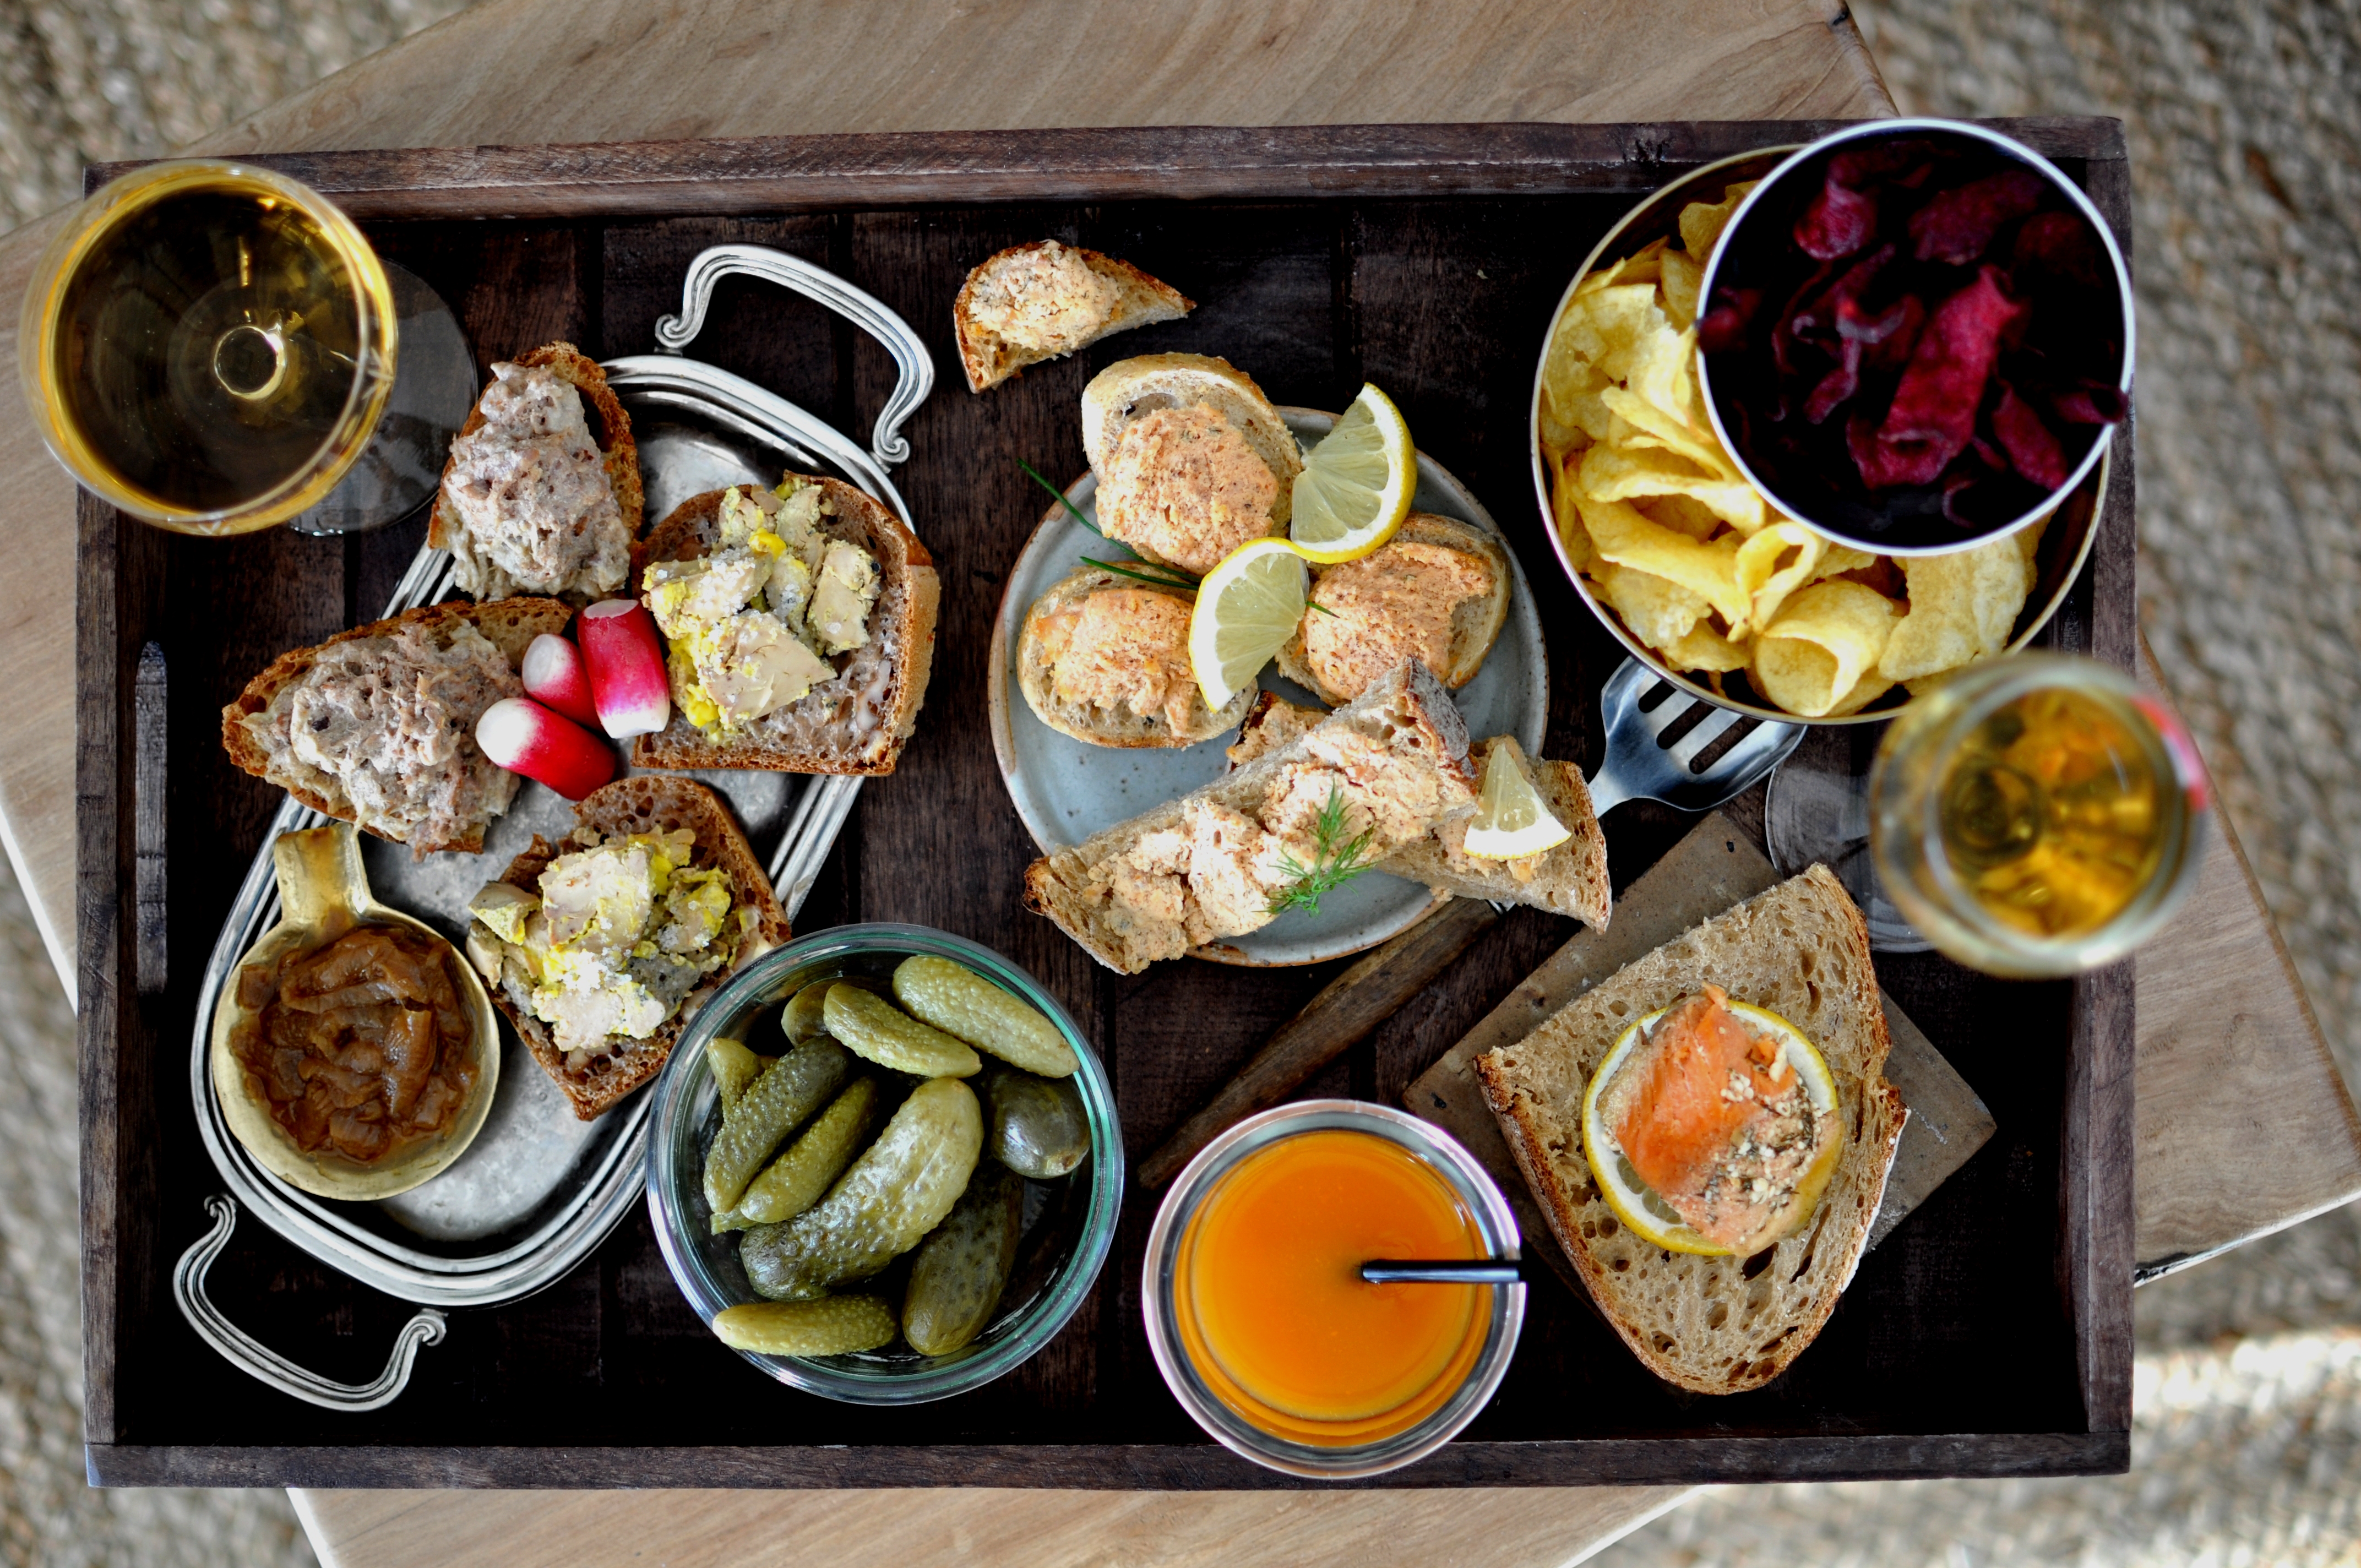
<point>1191,459</point>
<point>540,492</point>
<point>1105,659</point>
<point>832,603</point>
<point>377,726</point>
<point>668,976</point>
<point>1218,861</point>
<point>1715,1325</point>
<point>1044,301</point>
<point>1565,879</point>
<point>1438,590</point>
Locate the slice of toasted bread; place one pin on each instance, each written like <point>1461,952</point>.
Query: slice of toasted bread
<point>1476,622</point>
<point>641,805</point>
<point>1130,389</point>
<point>610,427</point>
<point>990,359</point>
<point>853,723</point>
<point>1116,725</point>
<point>1570,879</point>
<point>1171,879</point>
<point>509,625</point>
<point>1717,1325</point>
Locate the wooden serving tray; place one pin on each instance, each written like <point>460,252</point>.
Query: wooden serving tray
<point>1990,1335</point>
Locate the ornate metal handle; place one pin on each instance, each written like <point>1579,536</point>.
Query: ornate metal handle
<point>864,310</point>
<point>250,1356</point>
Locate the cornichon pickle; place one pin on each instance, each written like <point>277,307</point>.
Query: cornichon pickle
<point>802,1019</point>
<point>733,1068</point>
<point>779,1102</point>
<point>834,1325</point>
<point>874,1027</point>
<point>962,1265</point>
<point>799,1178</point>
<point>1039,1127</point>
<point>899,1188</point>
<point>963,1003</point>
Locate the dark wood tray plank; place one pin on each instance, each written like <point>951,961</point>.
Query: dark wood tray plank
<point>1990,1336</point>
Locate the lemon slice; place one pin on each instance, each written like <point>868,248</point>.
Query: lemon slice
<point>1511,821</point>
<point>1357,485</point>
<point>1248,608</point>
<point>1641,1207</point>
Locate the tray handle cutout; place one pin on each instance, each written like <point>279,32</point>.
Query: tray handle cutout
<point>857,305</point>
<point>258,1359</point>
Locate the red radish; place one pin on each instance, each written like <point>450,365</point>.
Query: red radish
<point>626,662</point>
<point>554,677</point>
<point>526,738</point>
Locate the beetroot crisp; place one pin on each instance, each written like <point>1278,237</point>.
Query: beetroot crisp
<point>1916,340</point>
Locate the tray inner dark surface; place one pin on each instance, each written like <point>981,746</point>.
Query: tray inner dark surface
<point>1974,1340</point>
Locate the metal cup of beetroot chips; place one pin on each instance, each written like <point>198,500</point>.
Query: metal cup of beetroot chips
<point>1916,337</point>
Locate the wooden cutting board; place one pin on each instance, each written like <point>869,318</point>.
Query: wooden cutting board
<point>1715,867</point>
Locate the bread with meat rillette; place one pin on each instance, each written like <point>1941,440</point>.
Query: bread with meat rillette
<point>854,723</point>
<point>989,358</point>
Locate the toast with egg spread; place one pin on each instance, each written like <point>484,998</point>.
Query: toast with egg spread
<point>1192,461</point>
<point>1105,659</point>
<point>1715,1325</point>
<point>1438,590</point>
<point>800,629</point>
<point>602,947</point>
<point>377,726</point>
<point>540,492</point>
<point>1212,864</point>
<point>1044,301</point>
<point>1565,879</point>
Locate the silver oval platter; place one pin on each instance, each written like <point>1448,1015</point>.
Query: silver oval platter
<point>1065,789</point>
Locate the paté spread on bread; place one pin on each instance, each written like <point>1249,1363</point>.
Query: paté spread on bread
<point>1044,297</point>
<point>1184,486</point>
<point>1394,604</point>
<point>618,937</point>
<point>530,489</point>
<point>752,624</point>
<point>390,719</point>
<point>1123,649</point>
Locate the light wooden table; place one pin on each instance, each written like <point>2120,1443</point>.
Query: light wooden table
<point>2219,1003</point>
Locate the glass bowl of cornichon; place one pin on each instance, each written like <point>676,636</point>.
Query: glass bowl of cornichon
<point>886,1165</point>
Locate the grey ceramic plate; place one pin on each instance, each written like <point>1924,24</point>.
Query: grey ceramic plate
<point>1065,791</point>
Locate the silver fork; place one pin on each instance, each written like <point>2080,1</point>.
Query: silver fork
<point>1640,764</point>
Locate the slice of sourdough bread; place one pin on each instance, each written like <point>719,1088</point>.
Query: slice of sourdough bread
<point>594,1081</point>
<point>610,430</point>
<point>988,359</point>
<point>855,723</point>
<point>1570,879</point>
<point>509,625</point>
<point>1117,726</point>
<point>1206,865</point>
<point>1716,1325</point>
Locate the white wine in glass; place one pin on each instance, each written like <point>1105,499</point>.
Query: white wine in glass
<point>209,347</point>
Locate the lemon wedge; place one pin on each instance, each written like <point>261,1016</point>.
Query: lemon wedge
<point>1641,1207</point>
<point>1511,821</point>
<point>1248,608</point>
<point>1357,485</point>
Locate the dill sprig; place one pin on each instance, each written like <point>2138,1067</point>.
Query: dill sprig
<point>1336,859</point>
<point>1171,581</point>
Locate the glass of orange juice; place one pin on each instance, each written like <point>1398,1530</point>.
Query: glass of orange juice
<point>1259,1319</point>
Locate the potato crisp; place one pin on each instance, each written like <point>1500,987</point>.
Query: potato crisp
<point>1671,538</point>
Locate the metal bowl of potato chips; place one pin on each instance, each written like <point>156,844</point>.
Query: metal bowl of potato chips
<point>1687,564</point>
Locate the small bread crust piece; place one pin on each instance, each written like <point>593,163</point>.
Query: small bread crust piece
<point>610,428</point>
<point>988,359</point>
<point>850,724</point>
<point>642,805</point>
<point>1715,1325</point>
<point>509,625</point>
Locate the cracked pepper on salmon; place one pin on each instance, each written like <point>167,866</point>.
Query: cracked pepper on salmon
<point>1123,649</point>
<point>1714,1118</point>
<point>1183,487</point>
<point>1396,603</point>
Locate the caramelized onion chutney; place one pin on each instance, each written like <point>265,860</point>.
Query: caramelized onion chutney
<point>361,1046</point>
